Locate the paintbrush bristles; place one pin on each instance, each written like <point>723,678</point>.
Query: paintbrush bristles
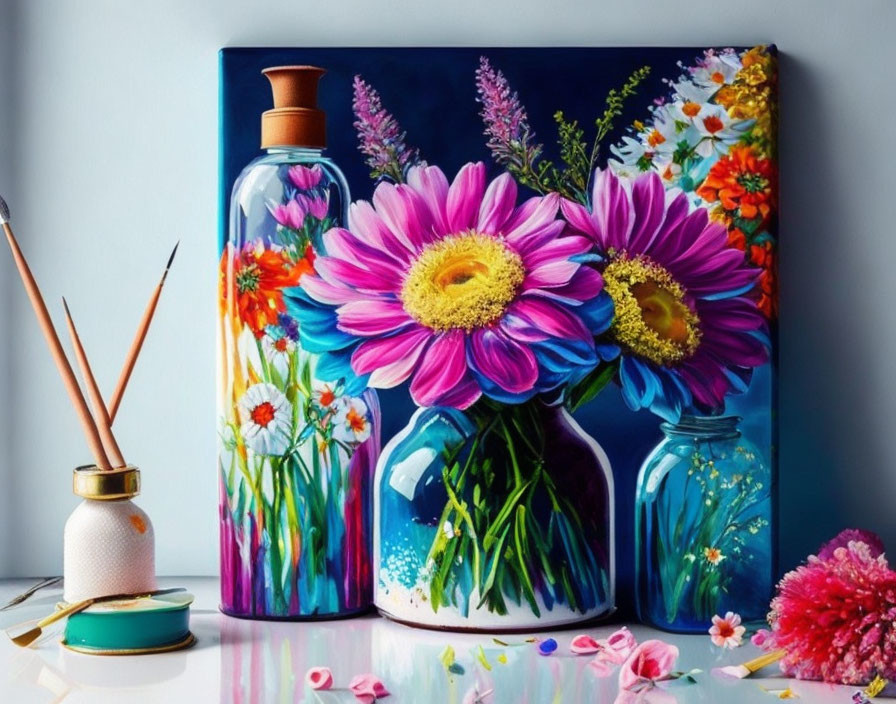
<point>137,343</point>
<point>62,364</point>
<point>4,212</point>
<point>100,415</point>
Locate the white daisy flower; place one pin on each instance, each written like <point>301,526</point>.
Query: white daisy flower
<point>718,131</point>
<point>277,349</point>
<point>324,395</point>
<point>266,418</point>
<point>351,424</point>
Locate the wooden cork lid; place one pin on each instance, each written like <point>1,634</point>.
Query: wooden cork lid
<point>295,121</point>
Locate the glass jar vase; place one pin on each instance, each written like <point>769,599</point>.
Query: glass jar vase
<point>494,518</point>
<point>704,532</point>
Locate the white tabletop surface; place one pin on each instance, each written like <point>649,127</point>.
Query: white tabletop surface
<point>256,662</point>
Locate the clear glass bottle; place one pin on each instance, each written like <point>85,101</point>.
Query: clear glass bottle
<point>297,448</point>
<point>704,533</point>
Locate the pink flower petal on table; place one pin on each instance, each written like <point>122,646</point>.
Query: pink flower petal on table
<point>650,661</point>
<point>368,687</point>
<point>465,197</point>
<point>497,204</point>
<point>583,645</point>
<point>760,637</point>
<point>319,678</point>
<point>621,643</point>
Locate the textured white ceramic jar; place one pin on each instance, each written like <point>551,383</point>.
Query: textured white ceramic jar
<point>109,541</point>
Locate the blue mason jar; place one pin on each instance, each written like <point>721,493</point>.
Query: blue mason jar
<point>704,532</point>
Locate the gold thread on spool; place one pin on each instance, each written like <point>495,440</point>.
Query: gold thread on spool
<point>90,482</point>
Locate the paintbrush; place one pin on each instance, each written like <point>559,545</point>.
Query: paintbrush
<point>31,635</point>
<point>62,364</point>
<point>137,344</point>
<point>101,416</point>
<point>748,668</point>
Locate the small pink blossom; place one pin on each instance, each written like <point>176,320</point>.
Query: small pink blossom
<point>368,688</point>
<point>319,678</point>
<point>649,662</point>
<point>760,637</point>
<point>305,178</point>
<point>316,207</point>
<point>727,632</point>
<point>290,215</point>
<point>583,645</point>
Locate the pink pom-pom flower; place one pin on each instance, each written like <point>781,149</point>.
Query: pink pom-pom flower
<point>836,616</point>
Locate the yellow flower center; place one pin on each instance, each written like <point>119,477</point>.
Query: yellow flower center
<point>652,319</point>
<point>463,281</point>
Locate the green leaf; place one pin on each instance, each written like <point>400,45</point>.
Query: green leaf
<point>588,389</point>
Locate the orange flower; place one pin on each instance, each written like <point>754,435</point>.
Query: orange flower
<point>763,256</point>
<point>741,182</point>
<point>256,277</point>
<point>737,238</point>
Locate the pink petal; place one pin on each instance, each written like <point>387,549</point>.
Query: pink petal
<point>336,271</point>
<point>443,367</point>
<point>342,244</point>
<point>405,213</point>
<point>372,317</point>
<point>611,211</point>
<point>497,204</point>
<point>465,196</point>
<point>649,203</point>
<point>583,645</point>
<point>531,216</point>
<point>326,292</point>
<point>319,678</point>
<point>368,686</point>
<point>527,242</point>
<point>547,317</point>
<point>431,184</point>
<point>504,361</point>
<point>578,217</point>
<point>390,360</point>
<point>558,248</point>
<point>366,224</point>
<point>557,272</point>
<point>585,283</point>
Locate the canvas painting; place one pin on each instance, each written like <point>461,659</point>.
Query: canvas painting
<point>498,333</point>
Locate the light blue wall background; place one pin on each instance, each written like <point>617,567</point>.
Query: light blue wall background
<point>108,122</point>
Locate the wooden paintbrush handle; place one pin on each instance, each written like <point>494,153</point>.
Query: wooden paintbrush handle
<point>65,611</point>
<point>765,660</point>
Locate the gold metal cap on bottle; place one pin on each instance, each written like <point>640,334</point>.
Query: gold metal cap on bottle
<point>295,121</point>
<point>91,482</point>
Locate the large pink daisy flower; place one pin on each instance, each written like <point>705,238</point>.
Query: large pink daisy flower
<point>455,288</point>
<point>687,327</point>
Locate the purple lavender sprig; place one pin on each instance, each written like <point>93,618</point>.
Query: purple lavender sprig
<point>510,138</point>
<point>380,136</point>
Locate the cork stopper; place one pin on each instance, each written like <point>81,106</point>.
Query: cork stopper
<point>295,120</point>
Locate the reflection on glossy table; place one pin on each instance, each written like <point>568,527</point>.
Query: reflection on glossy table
<point>256,662</point>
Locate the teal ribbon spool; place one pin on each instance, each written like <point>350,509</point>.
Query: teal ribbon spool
<point>132,626</point>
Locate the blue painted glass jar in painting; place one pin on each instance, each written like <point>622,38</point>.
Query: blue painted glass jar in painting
<point>497,517</point>
<point>297,443</point>
<point>704,526</point>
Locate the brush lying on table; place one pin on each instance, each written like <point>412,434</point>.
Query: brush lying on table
<point>25,639</point>
<point>97,426</point>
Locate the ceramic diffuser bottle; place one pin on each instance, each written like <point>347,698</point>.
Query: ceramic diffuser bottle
<point>109,540</point>
<point>297,444</point>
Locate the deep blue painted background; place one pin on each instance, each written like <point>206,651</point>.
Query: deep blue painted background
<point>432,94</point>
